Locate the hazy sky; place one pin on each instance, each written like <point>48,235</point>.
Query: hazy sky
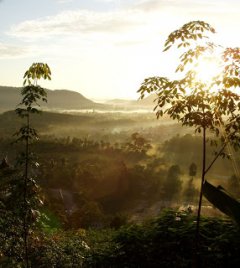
<point>102,48</point>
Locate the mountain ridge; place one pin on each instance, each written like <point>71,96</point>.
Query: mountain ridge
<point>57,99</point>
<point>64,99</point>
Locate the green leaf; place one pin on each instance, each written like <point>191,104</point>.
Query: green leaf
<point>166,48</point>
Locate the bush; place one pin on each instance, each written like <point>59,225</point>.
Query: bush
<point>165,241</point>
<point>62,249</point>
<point>169,241</point>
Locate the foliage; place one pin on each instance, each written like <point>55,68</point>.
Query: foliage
<point>87,175</point>
<point>21,193</point>
<point>172,184</point>
<point>12,213</point>
<point>48,222</point>
<point>138,144</point>
<point>204,105</point>
<point>183,150</point>
<point>102,248</point>
<point>62,249</point>
<point>164,241</point>
<point>69,249</point>
<point>192,170</point>
<point>31,94</point>
<point>35,72</point>
<point>197,103</point>
<point>190,192</point>
<point>168,241</point>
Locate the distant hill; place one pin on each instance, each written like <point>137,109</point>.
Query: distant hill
<point>72,100</point>
<point>9,98</point>
<point>57,99</point>
<point>66,99</point>
<point>146,103</point>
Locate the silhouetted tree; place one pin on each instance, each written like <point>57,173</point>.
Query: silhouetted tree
<point>204,105</point>
<point>190,191</point>
<point>31,94</point>
<point>192,170</point>
<point>172,185</point>
<point>138,144</point>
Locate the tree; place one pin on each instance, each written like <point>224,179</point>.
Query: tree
<point>173,183</point>
<point>190,191</point>
<point>31,94</point>
<point>192,170</point>
<point>138,144</point>
<point>10,216</point>
<point>206,105</point>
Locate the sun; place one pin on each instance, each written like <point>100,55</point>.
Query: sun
<point>206,69</point>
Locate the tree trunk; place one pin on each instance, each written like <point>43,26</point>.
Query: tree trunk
<point>25,215</point>
<point>201,187</point>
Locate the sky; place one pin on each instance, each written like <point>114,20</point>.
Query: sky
<point>102,48</point>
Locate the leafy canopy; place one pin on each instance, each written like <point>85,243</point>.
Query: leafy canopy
<point>32,93</point>
<point>212,105</point>
<point>35,72</point>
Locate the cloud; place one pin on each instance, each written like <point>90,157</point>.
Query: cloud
<point>10,51</point>
<point>204,6</point>
<point>108,1</point>
<point>135,23</point>
<point>64,1</point>
<point>78,22</point>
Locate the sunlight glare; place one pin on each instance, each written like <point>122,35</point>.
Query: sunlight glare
<point>206,69</point>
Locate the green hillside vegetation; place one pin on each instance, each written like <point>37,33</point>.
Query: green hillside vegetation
<point>113,172</point>
<point>97,125</point>
<point>118,189</point>
<point>103,171</point>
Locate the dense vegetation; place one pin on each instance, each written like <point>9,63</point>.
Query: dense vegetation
<point>92,187</point>
<point>166,241</point>
<point>120,191</point>
<point>124,176</point>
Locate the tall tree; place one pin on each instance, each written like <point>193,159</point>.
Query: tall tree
<point>190,191</point>
<point>31,93</point>
<point>192,170</point>
<point>204,104</point>
<point>172,184</point>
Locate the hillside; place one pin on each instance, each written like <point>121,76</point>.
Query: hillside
<point>147,101</point>
<point>71,100</point>
<point>96,124</point>
<point>57,99</point>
